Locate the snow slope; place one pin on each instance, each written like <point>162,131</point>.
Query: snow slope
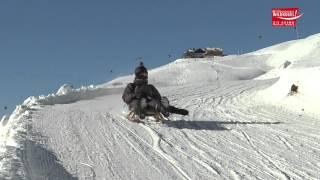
<point>242,123</point>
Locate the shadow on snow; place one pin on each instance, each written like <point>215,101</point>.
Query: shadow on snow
<point>210,125</point>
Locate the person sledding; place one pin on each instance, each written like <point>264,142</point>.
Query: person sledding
<point>144,99</point>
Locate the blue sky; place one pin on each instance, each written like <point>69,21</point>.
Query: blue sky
<point>46,43</point>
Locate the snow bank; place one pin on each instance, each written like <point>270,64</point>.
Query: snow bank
<point>12,131</point>
<point>13,128</point>
<point>67,94</point>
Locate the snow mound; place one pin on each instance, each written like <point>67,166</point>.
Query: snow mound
<point>65,89</point>
<point>294,51</point>
<point>67,94</point>
<point>193,71</point>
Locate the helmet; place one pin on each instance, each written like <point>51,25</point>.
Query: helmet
<point>141,72</point>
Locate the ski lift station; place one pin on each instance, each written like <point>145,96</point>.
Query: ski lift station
<point>203,52</point>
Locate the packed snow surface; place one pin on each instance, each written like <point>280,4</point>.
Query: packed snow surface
<point>244,123</point>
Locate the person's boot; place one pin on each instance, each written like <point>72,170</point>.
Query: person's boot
<point>164,107</point>
<point>132,116</point>
<point>175,110</point>
<point>165,112</point>
<point>161,109</point>
<point>159,117</point>
<point>142,115</point>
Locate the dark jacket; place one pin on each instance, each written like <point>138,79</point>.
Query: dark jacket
<point>138,90</point>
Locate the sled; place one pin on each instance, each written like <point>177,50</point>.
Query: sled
<point>158,117</point>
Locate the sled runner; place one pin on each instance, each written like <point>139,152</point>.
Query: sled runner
<point>158,117</point>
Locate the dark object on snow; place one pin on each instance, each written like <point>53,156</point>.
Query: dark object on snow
<point>294,89</point>
<point>143,97</point>
<point>286,64</point>
<point>5,108</point>
<point>175,110</point>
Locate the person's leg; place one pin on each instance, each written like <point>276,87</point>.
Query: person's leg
<point>157,106</point>
<point>143,105</point>
<point>171,109</point>
<point>135,106</point>
<point>165,102</point>
<point>165,106</point>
